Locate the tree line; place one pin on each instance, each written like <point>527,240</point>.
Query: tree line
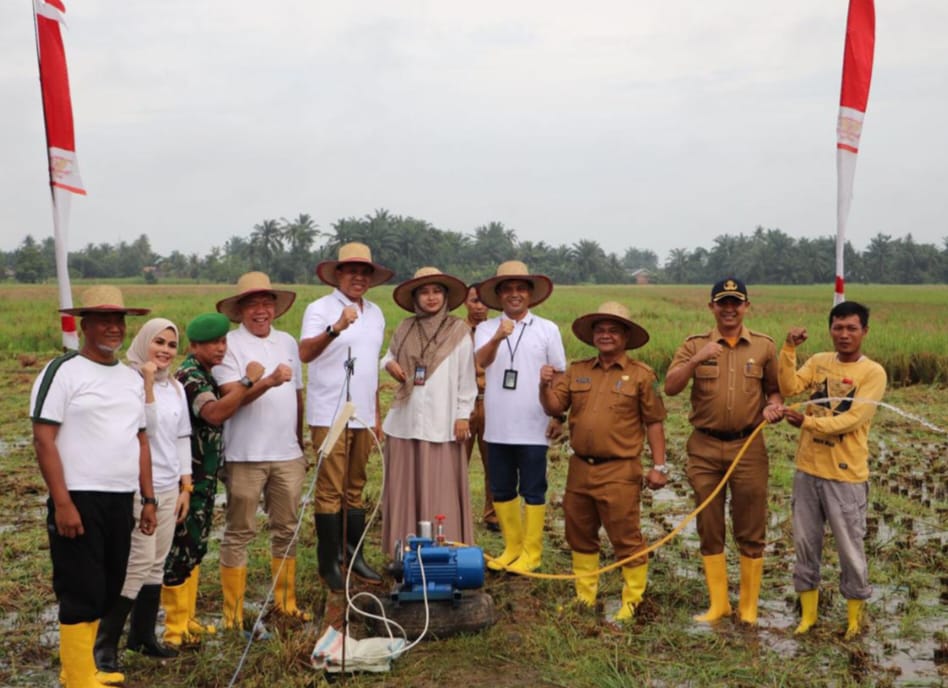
<point>289,249</point>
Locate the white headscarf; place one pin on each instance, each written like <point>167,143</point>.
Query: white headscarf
<point>138,350</point>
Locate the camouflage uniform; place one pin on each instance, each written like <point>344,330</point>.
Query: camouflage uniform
<point>207,458</point>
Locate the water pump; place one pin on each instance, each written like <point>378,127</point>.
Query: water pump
<point>447,569</point>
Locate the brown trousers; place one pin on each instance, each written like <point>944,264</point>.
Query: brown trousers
<point>708,460</point>
<point>332,482</point>
<point>477,433</point>
<point>608,495</point>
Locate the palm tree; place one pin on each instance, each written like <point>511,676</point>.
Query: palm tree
<point>266,242</point>
<point>300,233</point>
<point>588,260</point>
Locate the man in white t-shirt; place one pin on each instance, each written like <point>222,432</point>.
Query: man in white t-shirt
<point>88,413</point>
<point>262,443</point>
<point>341,340</point>
<point>512,348</point>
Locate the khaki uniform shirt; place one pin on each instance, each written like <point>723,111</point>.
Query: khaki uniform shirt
<point>478,370</point>
<point>729,393</point>
<point>609,407</point>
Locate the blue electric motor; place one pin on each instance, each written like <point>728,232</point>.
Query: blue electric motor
<point>448,570</point>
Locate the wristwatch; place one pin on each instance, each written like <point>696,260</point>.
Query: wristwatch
<point>661,468</point>
<point>331,332</point>
<point>246,382</point>
<point>150,500</point>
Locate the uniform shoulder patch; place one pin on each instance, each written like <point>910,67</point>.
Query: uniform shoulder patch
<point>703,335</point>
<point>760,334</point>
<point>647,368</point>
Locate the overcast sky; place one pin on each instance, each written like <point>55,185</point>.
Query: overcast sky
<point>656,125</point>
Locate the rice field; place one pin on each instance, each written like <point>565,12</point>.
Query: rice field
<point>907,331</point>
<point>538,638</point>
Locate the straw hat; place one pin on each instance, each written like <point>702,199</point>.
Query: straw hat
<point>456,289</point>
<point>514,270</point>
<point>610,310</point>
<point>251,283</point>
<point>104,298</point>
<point>353,252</point>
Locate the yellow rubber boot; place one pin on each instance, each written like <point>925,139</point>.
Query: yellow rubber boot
<point>234,586</point>
<point>586,586</point>
<point>511,527</point>
<point>75,653</point>
<point>195,627</point>
<point>854,611</point>
<point>284,593</point>
<point>106,678</point>
<point>715,574</point>
<point>752,570</point>
<point>174,600</point>
<point>532,555</point>
<point>634,578</point>
<point>809,600</point>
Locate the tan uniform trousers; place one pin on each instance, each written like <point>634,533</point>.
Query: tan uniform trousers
<point>477,433</point>
<point>343,470</point>
<point>607,494</point>
<point>281,484</point>
<point>708,461</point>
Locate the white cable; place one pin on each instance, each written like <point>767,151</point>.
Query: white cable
<point>304,502</point>
<point>382,616</point>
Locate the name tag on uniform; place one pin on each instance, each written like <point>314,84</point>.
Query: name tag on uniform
<point>510,379</point>
<point>421,374</point>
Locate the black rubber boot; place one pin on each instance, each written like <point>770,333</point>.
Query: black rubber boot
<point>355,526</point>
<point>328,529</point>
<point>141,630</point>
<point>107,638</point>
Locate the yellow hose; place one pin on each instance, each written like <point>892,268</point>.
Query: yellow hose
<point>658,543</point>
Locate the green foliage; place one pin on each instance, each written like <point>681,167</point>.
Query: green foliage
<point>287,251</point>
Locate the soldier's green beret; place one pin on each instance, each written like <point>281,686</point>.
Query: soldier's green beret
<point>207,326</point>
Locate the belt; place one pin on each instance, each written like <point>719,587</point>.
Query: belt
<point>727,436</point>
<point>596,460</point>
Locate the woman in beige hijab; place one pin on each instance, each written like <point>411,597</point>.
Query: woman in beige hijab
<point>426,429</point>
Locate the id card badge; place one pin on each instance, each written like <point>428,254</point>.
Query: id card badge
<point>510,379</point>
<point>421,374</point>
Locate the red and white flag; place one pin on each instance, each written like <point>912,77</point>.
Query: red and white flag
<point>61,144</point>
<point>854,95</point>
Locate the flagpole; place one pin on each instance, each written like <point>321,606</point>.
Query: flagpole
<point>60,154</point>
<point>858,53</point>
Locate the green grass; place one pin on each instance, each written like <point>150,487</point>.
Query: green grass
<point>906,329</point>
<point>539,639</point>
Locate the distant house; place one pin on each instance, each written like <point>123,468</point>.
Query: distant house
<point>641,276</point>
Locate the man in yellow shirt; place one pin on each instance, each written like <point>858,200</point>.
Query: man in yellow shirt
<point>832,477</point>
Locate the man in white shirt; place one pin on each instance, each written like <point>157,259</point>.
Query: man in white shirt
<point>341,339</point>
<point>512,348</point>
<point>262,443</point>
<point>88,414</point>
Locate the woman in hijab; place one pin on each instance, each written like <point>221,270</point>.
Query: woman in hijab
<point>168,427</point>
<point>426,429</point>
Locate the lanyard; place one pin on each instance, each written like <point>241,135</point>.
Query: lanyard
<point>422,339</point>
<point>513,351</point>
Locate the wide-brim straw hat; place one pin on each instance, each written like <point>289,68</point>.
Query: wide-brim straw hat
<point>353,252</point>
<point>514,270</point>
<point>455,288</point>
<point>610,310</point>
<point>104,298</point>
<point>251,283</point>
